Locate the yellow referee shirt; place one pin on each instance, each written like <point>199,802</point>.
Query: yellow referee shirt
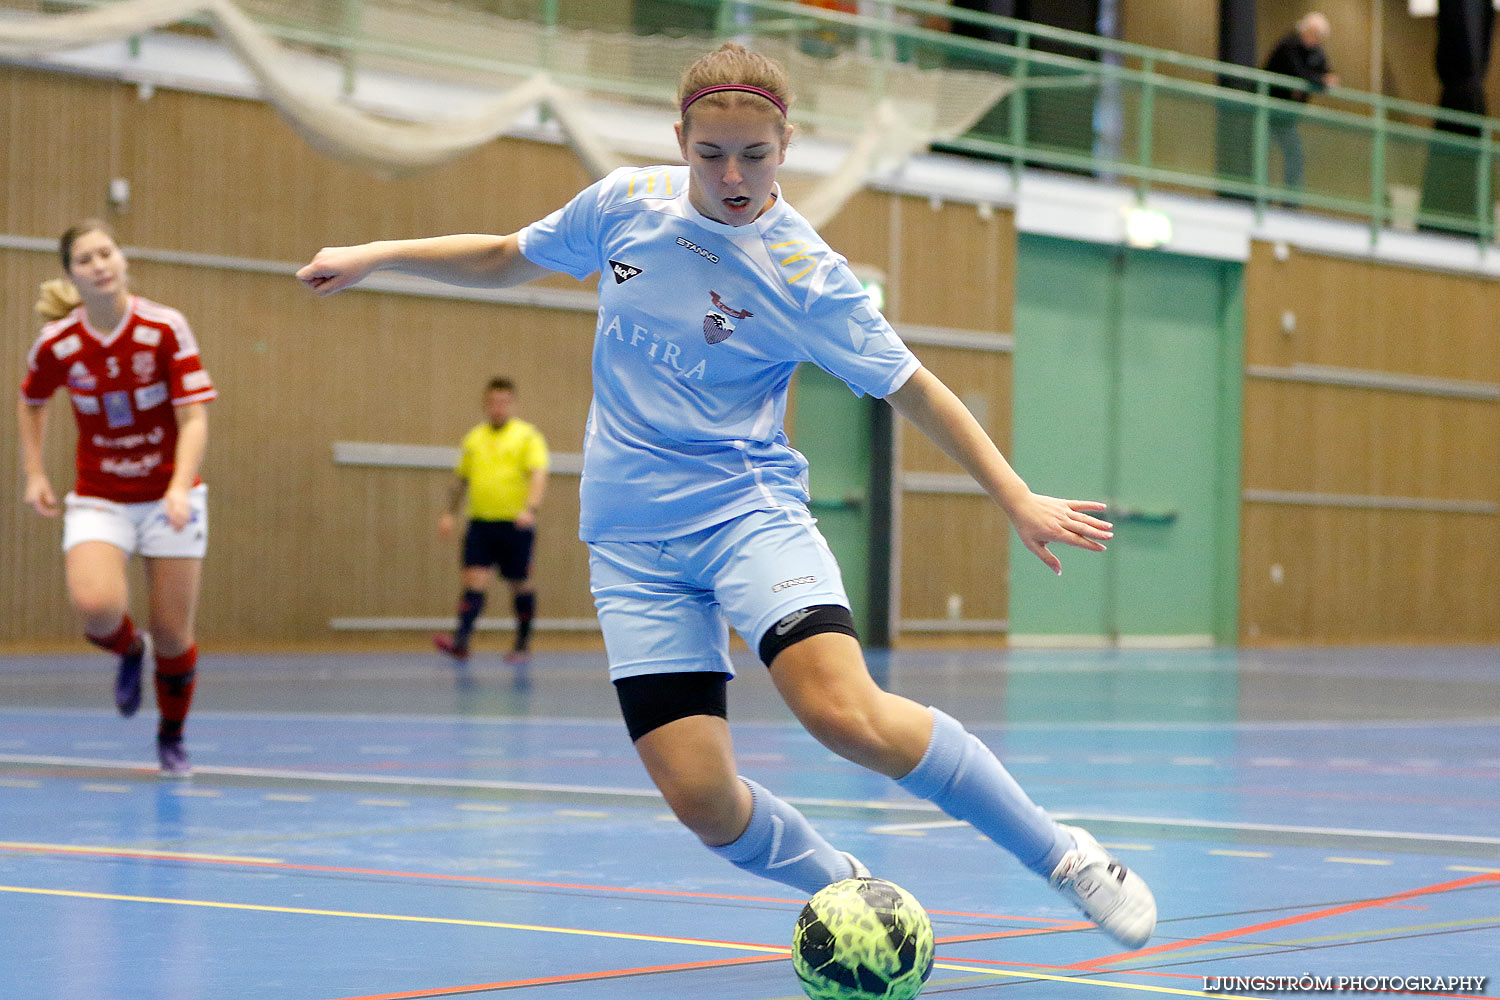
<point>497,463</point>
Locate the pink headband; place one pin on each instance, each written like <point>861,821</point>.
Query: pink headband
<point>741,87</point>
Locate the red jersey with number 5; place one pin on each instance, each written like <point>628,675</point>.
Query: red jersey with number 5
<point>124,385</point>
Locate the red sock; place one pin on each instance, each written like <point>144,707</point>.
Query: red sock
<point>121,642</point>
<point>175,678</point>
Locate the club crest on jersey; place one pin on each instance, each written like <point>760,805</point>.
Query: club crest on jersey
<point>143,363</point>
<point>718,325</point>
<point>624,272</point>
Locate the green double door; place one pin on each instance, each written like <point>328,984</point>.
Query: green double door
<point>1127,390</point>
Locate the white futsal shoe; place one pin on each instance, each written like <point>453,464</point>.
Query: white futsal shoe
<point>1111,895</point>
<point>860,871</point>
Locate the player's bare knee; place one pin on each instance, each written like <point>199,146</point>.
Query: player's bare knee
<point>710,810</point>
<point>96,605</point>
<point>847,727</point>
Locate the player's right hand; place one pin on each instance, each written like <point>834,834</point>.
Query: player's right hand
<point>40,498</point>
<point>333,269</point>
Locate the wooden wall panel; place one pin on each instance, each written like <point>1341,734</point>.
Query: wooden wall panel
<point>1341,574</point>
<point>957,267</point>
<point>983,381</point>
<point>51,177</point>
<point>1331,439</point>
<point>953,544</point>
<point>1360,314</point>
<point>1188,26</point>
<point>1362,576</point>
<point>262,193</point>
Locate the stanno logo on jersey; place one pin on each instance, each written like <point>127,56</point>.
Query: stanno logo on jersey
<point>623,272</point>
<point>718,325</point>
<point>712,258</point>
<point>80,378</point>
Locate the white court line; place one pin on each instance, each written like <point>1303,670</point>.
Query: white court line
<point>1195,824</point>
<point>651,794</point>
<point>431,782</point>
<point>1309,725</point>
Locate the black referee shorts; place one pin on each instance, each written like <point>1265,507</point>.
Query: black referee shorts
<point>499,544</point>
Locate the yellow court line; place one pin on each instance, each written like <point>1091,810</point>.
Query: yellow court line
<point>405,918</point>
<point>1091,982</point>
<point>133,852</point>
<point>1357,861</point>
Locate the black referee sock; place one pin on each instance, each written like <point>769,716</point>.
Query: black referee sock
<point>469,607</point>
<point>525,611</point>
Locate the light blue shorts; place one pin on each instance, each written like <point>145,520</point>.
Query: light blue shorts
<point>666,606</point>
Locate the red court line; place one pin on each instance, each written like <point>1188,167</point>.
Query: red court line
<point>1301,918</point>
<point>580,977</point>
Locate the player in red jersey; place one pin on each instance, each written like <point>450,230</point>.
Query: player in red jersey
<point>139,394</point>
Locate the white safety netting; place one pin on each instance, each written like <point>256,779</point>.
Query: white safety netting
<point>881,111</point>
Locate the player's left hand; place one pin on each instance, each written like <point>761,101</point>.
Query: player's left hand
<point>333,269</point>
<point>179,511</point>
<point>1041,520</point>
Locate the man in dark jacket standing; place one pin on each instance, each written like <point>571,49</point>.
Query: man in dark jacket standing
<point>1300,53</point>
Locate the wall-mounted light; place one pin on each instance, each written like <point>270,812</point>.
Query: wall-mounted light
<point>1147,228</point>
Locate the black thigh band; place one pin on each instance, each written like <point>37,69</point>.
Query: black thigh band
<point>650,701</point>
<point>800,624</point>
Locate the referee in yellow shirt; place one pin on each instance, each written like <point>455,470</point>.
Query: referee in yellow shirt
<point>503,470</point>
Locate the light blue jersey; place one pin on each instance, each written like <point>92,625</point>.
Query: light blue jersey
<point>701,326</point>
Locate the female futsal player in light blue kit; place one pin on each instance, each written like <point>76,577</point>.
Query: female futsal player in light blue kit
<point>694,506</point>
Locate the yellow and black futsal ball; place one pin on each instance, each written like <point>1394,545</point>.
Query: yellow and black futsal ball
<point>862,939</point>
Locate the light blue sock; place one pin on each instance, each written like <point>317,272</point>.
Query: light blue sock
<point>962,777</point>
<point>781,844</point>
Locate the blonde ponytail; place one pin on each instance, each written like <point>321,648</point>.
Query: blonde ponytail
<point>56,298</point>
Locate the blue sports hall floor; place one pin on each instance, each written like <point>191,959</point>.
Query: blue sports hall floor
<point>366,826</point>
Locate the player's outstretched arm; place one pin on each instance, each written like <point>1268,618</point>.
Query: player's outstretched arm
<point>1039,520</point>
<point>469,259</point>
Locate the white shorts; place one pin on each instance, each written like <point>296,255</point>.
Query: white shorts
<point>137,528</point>
<point>666,607</point>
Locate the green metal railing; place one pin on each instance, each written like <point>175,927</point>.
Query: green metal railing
<point>1188,122</point>
<point>1183,122</point>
